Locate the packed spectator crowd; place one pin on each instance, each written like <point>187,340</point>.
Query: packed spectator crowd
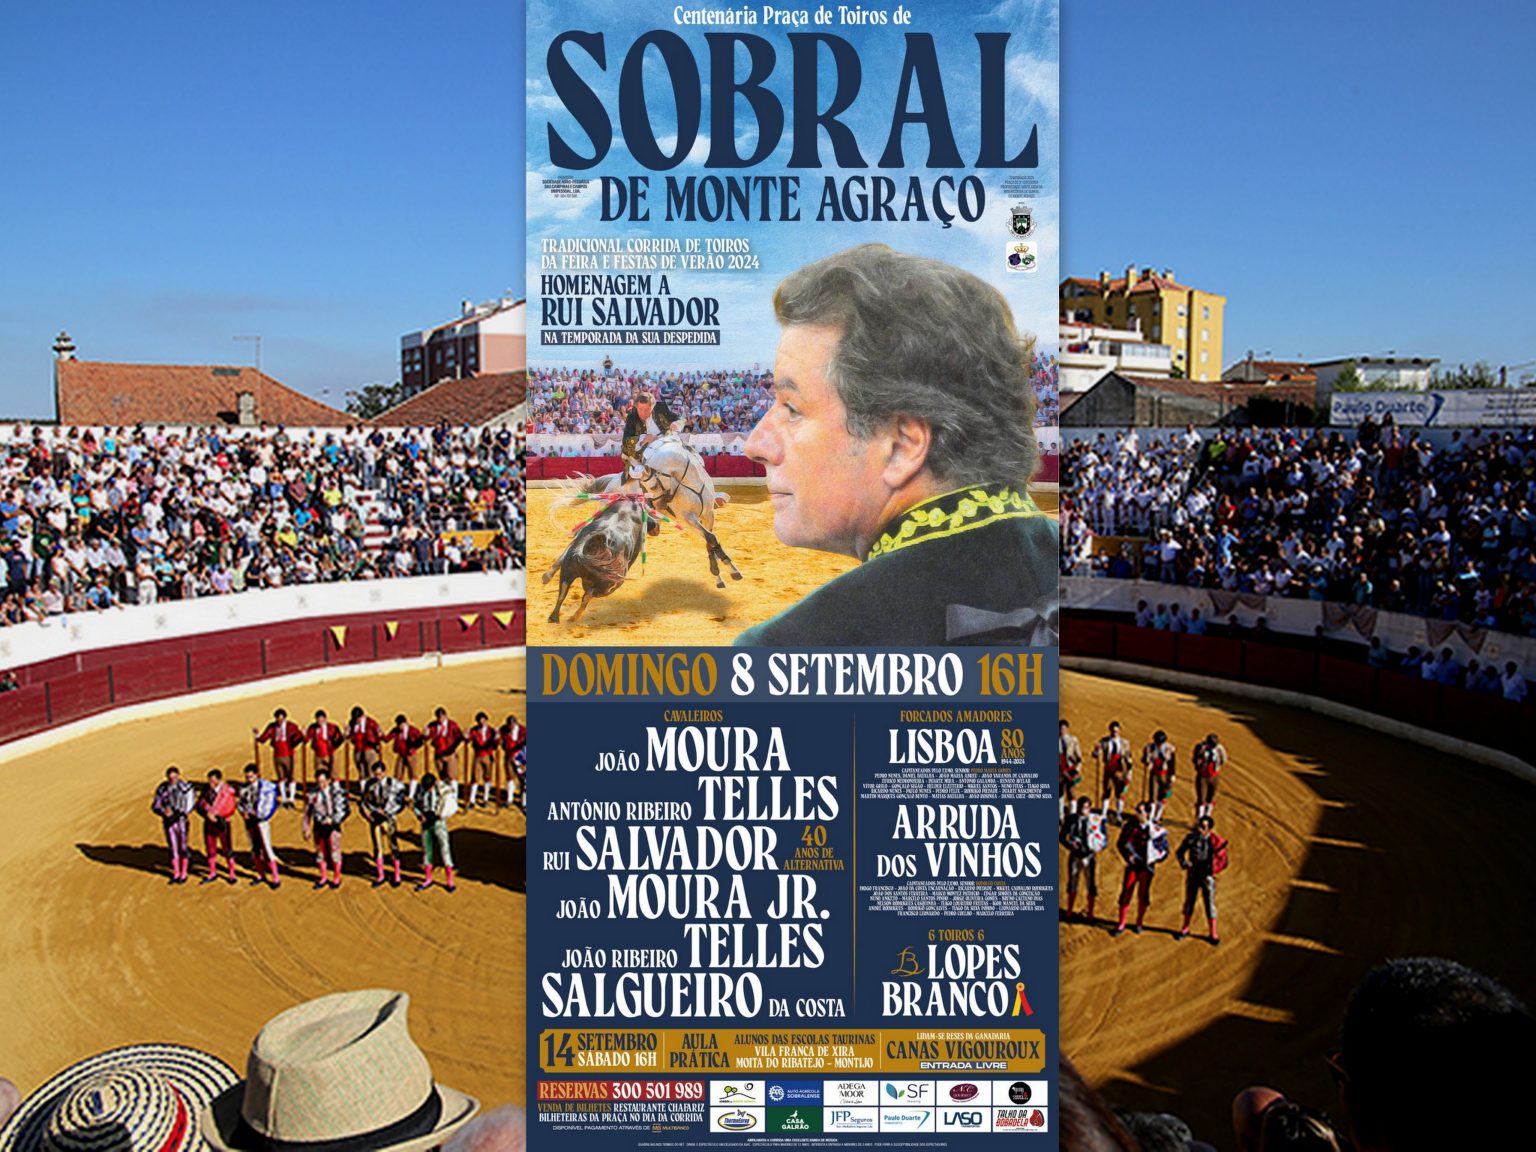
<point>566,401</point>
<point>1045,375</point>
<point>1379,517</point>
<point>94,518</point>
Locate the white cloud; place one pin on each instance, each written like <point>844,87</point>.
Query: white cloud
<point>537,103</point>
<point>1039,80</point>
<point>1035,17</point>
<point>696,155</point>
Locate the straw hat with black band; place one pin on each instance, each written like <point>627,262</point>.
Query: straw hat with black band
<point>338,1074</point>
<point>142,1098</point>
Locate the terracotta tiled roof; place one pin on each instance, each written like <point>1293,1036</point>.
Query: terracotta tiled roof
<point>1292,368</point>
<point>1141,284</point>
<point>1157,284</point>
<point>94,392</point>
<point>472,400</point>
<point>1239,392</point>
<point>1297,371</point>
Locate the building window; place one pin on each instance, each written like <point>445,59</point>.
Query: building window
<point>1204,355</point>
<point>1205,312</point>
<point>1182,310</point>
<point>1157,307</point>
<point>1205,333</point>
<point>1157,331</point>
<point>1181,331</point>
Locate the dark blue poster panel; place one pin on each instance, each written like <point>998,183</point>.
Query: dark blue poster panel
<point>792,892</point>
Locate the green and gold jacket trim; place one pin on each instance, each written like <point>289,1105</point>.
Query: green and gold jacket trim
<point>951,513</point>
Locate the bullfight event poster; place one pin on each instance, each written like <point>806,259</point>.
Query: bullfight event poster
<point>262,635</point>
<point>792,574</point>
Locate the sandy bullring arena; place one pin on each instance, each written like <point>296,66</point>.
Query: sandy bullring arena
<point>100,951</point>
<point>1347,848</point>
<point>671,598</point>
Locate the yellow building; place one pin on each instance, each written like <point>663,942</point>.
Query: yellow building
<point>1163,310</point>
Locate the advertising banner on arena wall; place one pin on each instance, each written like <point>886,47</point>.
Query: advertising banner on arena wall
<point>1482,407</point>
<point>793,632</point>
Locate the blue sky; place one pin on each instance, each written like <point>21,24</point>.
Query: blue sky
<point>327,175</point>
<point>1354,177</point>
<point>748,333</point>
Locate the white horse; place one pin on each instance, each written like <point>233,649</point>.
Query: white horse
<point>672,474</point>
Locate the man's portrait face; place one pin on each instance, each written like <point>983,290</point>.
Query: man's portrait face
<point>825,484</point>
<point>643,409</point>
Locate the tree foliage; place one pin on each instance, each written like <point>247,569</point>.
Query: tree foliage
<point>372,399</point>
<point>1348,379</point>
<point>1480,375</point>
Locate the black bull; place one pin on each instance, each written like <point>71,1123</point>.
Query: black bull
<point>600,556</point>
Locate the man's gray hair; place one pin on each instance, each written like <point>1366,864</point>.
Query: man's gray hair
<point>926,339</point>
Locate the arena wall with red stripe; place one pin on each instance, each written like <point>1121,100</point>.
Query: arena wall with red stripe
<point>96,678</point>
<point>1489,721</point>
<point>720,467</point>
<point>564,467</point>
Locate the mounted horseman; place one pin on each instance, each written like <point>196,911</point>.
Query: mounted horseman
<point>670,472</point>
<point>647,420</point>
